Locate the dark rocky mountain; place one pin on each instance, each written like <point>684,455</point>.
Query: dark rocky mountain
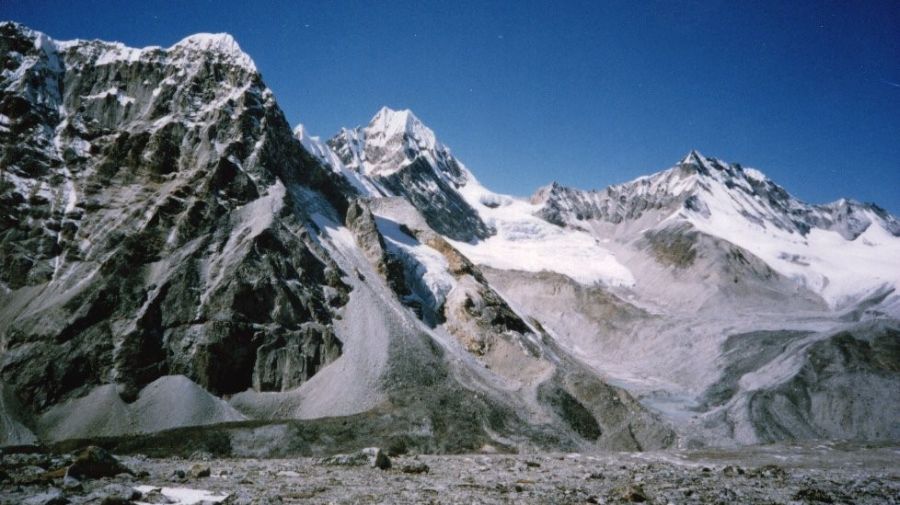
<point>149,226</point>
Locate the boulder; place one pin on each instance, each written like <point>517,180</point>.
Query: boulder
<point>95,462</point>
<point>372,456</point>
<point>199,471</point>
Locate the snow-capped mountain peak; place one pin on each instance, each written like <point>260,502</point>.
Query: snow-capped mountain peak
<point>746,208</point>
<point>390,124</point>
<point>221,44</point>
<point>392,140</point>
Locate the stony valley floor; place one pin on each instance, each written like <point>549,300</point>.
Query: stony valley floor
<point>765,475</point>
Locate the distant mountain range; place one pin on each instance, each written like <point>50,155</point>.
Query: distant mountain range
<point>174,255</point>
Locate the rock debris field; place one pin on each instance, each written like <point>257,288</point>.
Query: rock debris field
<point>767,475</point>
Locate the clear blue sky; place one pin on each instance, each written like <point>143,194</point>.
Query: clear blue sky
<point>586,93</point>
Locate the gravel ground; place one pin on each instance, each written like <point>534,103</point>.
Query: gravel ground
<point>766,475</point>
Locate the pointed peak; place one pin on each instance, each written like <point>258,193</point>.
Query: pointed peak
<point>546,192</point>
<point>16,27</point>
<point>388,113</point>
<point>394,121</point>
<point>693,158</point>
<point>389,123</point>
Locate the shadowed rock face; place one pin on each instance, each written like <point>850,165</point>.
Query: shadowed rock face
<point>148,226</point>
<point>444,209</point>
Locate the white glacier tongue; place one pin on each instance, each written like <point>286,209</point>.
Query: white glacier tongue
<point>524,241</point>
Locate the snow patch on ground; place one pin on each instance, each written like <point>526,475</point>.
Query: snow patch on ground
<point>183,495</point>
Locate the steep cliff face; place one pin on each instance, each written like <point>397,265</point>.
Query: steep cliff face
<point>149,226</point>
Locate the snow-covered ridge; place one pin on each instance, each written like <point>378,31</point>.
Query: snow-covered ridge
<point>220,45</point>
<point>321,151</point>
<point>843,250</point>
<point>691,185</point>
<point>832,249</point>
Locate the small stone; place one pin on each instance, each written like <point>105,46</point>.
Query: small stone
<point>415,468</point>
<point>156,497</point>
<point>813,495</point>
<point>178,475</point>
<point>634,493</point>
<point>199,471</point>
<point>771,472</point>
<point>732,471</point>
<point>114,494</point>
<point>369,456</point>
<point>201,456</point>
<point>51,497</point>
<point>71,484</point>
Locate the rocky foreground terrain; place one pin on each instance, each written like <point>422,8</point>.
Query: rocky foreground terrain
<point>825,473</point>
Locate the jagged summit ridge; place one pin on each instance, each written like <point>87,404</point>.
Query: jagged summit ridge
<point>221,46</point>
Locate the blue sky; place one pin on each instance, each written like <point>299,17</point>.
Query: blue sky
<point>585,93</point>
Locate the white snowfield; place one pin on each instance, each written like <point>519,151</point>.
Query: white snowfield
<point>840,270</point>
<point>526,242</point>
